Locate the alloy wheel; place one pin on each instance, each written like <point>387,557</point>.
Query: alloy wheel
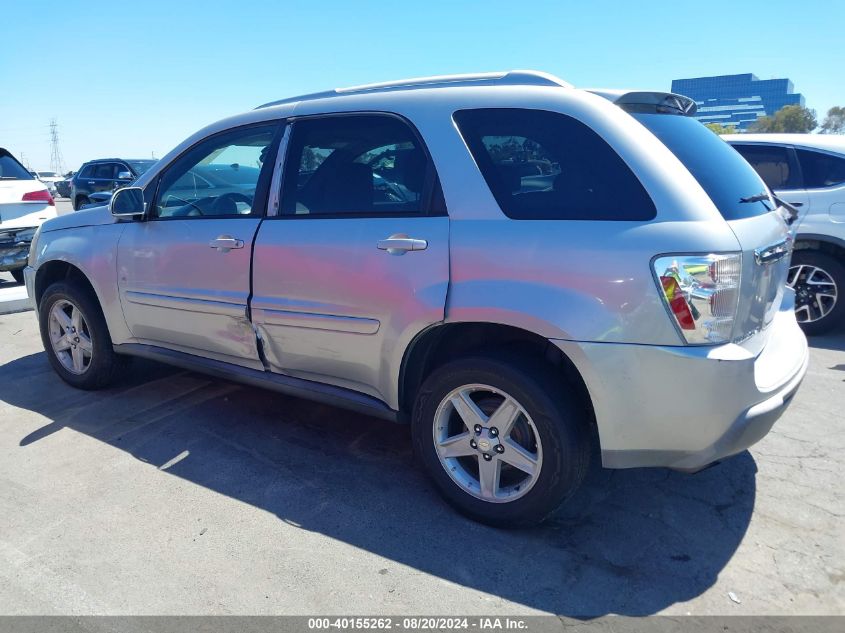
<point>70,337</point>
<point>815,292</point>
<point>487,443</point>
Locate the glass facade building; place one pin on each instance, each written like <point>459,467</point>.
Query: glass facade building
<point>737,100</point>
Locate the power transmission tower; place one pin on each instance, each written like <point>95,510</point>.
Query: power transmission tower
<point>56,163</point>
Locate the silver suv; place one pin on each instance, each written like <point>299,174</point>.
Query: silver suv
<point>521,270</point>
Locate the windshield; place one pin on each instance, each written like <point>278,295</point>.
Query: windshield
<point>47,174</point>
<point>732,184</point>
<point>10,169</point>
<point>140,166</point>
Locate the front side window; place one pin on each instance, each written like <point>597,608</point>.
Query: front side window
<point>358,164</point>
<point>772,163</point>
<point>821,170</point>
<point>543,165</point>
<point>217,177</point>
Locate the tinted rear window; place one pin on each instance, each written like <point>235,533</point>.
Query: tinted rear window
<point>11,169</point>
<point>821,170</point>
<point>720,170</point>
<point>544,165</point>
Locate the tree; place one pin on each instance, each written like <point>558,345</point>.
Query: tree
<point>718,128</point>
<point>834,122</point>
<point>791,118</point>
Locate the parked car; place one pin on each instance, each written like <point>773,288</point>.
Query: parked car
<point>808,171</point>
<point>25,204</point>
<point>49,178</point>
<point>399,249</point>
<point>63,185</point>
<point>104,175</point>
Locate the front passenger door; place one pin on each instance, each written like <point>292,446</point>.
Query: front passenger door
<point>184,273</point>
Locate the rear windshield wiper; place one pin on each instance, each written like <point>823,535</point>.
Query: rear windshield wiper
<point>763,197</point>
<point>760,197</point>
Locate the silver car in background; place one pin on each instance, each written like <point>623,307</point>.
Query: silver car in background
<point>808,171</point>
<point>524,271</point>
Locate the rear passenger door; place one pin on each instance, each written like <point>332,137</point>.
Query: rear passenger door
<point>355,261</point>
<point>824,183</point>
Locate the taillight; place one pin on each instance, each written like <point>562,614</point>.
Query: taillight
<point>702,293</point>
<point>39,196</point>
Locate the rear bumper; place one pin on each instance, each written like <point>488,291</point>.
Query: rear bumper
<point>13,254</point>
<point>686,407</point>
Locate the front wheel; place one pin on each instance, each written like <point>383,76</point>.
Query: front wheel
<point>502,439</point>
<point>75,336</point>
<point>17,275</point>
<point>818,279</point>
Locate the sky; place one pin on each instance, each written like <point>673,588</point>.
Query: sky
<point>133,79</point>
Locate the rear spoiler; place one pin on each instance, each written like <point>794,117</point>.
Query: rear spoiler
<point>649,102</point>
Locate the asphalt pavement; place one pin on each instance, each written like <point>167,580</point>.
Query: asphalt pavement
<point>176,493</point>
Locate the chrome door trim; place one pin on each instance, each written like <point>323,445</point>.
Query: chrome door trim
<point>315,321</point>
<point>235,310</point>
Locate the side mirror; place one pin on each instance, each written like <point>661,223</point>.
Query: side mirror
<point>127,202</point>
<point>124,175</point>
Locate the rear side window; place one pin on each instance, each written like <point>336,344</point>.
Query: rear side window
<point>772,164</point>
<point>11,169</point>
<point>543,165</point>
<point>821,170</point>
<point>104,170</point>
<point>358,165</point>
<point>722,172</point>
<point>87,171</point>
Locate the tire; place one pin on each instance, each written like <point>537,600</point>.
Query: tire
<point>549,413</point>
<point>810,272</point>
<point>17,275</point>
<point>79,202</point>
<point>102,365</point>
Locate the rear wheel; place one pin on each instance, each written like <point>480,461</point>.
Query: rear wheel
<point>501,438</point>
<point>76,338</point>
<point>80,202</point>
<point>818,279</point>
<point>17,275</point>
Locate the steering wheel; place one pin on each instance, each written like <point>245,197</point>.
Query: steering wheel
<point>231,198</point>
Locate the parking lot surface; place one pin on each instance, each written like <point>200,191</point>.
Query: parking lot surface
<point>175,493</point>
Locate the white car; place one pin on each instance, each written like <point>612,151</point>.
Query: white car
<point>49,178</point>
<point>25,203</point>
<point>808,171</point>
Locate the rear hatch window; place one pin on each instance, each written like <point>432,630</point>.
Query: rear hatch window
<point>11,169</point>
<point>732,184</point>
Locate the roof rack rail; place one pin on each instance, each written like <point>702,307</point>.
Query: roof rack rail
<point>505,78</point>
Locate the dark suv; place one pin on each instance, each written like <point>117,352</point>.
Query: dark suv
<point>104,174</point>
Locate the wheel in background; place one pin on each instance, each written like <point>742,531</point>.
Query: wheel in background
<point>818,280</point>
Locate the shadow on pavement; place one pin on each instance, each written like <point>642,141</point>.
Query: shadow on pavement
<point>630,542</point>
<point>834,342</point>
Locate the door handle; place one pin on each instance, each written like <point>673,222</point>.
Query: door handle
<point>225,243</point>
<point>399,244</point>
